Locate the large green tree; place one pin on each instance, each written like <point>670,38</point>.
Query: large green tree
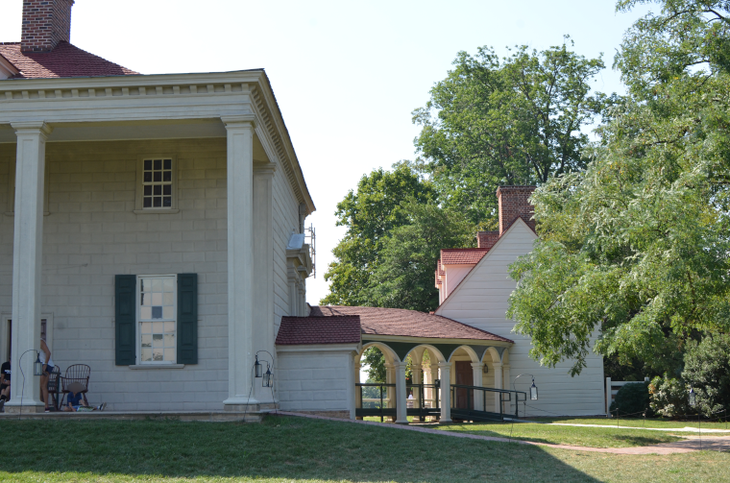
<point>512,121</point>
<point>405,276</point>
<point>370,213</point>
<point>636,248</point>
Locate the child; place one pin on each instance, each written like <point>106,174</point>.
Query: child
<point>75,401</point>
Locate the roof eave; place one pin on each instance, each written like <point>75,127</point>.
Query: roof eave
<point>7,69</point>
<point>435,340</point>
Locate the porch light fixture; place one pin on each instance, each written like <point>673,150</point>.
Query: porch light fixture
<point>267,377</point>
<point>38,365</point>
<point>257,367</point>
<point>692,397</point>
<point>258,370</point>
<point>533,387</point>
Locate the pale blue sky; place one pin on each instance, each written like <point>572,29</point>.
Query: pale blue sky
<point>347,75</point>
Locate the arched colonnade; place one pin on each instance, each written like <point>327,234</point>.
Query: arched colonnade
<point>465,364</point>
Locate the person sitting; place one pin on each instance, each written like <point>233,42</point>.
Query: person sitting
<point>75,401</point>
<point>4,384</point>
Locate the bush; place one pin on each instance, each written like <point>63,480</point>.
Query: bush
<point>669,397</point>
<point>631,399</point>
<point>706,371</point>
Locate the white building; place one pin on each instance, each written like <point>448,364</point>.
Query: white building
<point>154,223</point>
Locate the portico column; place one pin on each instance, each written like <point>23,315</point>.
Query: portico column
<point>506,379</point>
<point>476,369</point>
<point>401,395</point>
<point>497,385</point>
<point>263,269</point>
<point>434,391</point>
<point>445,373</point>
<point>416,380</point>
<point>240,261</point>
<point>27,258</point>
<point>389,380</point>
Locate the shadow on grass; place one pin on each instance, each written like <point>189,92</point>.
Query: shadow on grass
<point>280,447</point>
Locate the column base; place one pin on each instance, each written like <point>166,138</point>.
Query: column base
<point>11,408</point>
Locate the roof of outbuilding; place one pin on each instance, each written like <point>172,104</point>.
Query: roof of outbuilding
<point>65,60</point>
<point>319,330</point>
<point>406,323</point>
<point>462,256</point>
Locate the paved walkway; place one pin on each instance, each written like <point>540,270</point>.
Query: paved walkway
<point>687,445</point>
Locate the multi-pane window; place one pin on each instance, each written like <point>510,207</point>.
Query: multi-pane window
<point>157,183</point>
<point>157,318</point>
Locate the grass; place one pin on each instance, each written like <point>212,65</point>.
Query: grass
<point>295,449</point>
<point>640,423</point>
<point>609,437</point>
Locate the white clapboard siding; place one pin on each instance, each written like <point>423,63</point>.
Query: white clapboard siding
<point>482,299</point>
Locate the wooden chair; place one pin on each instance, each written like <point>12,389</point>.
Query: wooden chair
<point>54,387</point>
<point>76,373</point>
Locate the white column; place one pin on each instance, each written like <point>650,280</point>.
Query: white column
<point>240,261</point>
<point>27,258</point>
<point>497,384</point>
<point>505,381</point>
<point>434,376</point>
<point>358,390</point>
<point>389,378</point>
<point>401,395</point>
<point>263,273</point>
<point>476,369</point>
<point>417,380</point>
<point>445,373</point>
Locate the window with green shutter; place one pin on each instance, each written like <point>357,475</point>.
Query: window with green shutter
<point>156,319</point>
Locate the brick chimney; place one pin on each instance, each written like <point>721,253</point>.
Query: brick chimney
<point>487,239</point>
<point>45,24</point>
<point>513,204</point>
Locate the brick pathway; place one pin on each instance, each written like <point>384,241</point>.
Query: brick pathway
<point>688,445</point>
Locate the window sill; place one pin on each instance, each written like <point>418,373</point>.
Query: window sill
<point>144,367</point>
<point>157,211</point>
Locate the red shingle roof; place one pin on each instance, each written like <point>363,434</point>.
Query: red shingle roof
<point>65,60</point>
<point>319,330</point>
<point>406,323</point>
<point>462,256</point>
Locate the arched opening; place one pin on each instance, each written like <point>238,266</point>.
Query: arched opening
<point>375,397</point>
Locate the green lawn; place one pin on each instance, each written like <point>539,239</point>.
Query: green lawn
<point>609,437</point>
<point>303,450</point>
<point>640,423</point>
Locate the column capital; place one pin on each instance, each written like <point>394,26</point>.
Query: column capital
<point>477,365</point>
<point>32,127</point>
<point>240,120</point>
<point>264,169</point>
<point>400,364</point>
<point>445,365</point>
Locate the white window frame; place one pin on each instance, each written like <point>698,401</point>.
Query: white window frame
<point>139,198</point>
<point>140,320</point>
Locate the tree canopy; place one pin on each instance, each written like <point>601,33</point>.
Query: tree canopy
<point>636,247</point>
<point>515,121</point>
<point>370,213</point>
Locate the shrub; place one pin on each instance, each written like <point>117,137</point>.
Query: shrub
<point>669,397</point>
<point>631,399</point>
<point>706,371</point>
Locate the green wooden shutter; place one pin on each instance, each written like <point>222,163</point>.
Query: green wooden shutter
<point>125,315</point>
<point>187,318</point>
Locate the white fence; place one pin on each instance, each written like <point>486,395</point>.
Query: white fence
<point>612,388</point>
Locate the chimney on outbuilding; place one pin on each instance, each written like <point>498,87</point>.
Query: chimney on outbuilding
<point>487,239</point>
<point>513,204</point>
<point>45,24</point>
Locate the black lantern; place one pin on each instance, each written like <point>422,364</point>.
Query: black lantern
<point>257,367</point>
<point>533,391</point>
<point>267,377</point>
<point>692,397</point>
<point>38,365</point>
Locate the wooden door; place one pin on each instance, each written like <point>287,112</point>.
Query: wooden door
<point>465,377</point>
